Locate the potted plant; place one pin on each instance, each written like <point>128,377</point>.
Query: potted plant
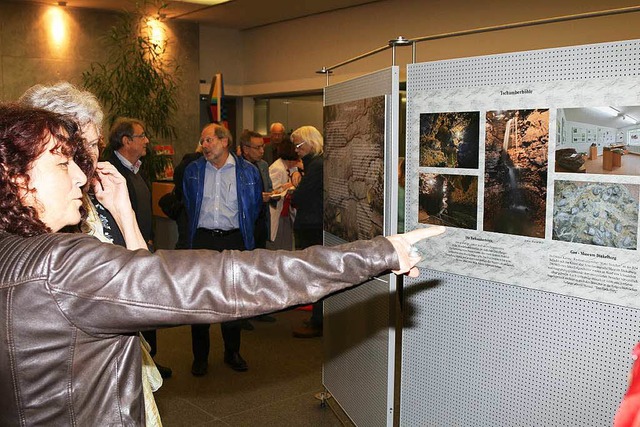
<point>139,79</point>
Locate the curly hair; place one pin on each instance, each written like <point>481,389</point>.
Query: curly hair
<point>24,135</point>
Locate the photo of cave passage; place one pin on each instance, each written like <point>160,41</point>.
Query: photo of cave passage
<point>515,188</point>
<point>596,213</point>
<point>450,200</point>
<point>450,139</point>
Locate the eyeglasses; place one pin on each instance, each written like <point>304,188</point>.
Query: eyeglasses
<point>96,143</point>
<point>256,147</point>
<point>142,135</point>
<point>301,144</point>
<point>207,139</point>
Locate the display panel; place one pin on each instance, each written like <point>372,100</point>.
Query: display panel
<point>354,168</point>
<point>487,353</point>
<point>360,170</point>
<point>557,185</point>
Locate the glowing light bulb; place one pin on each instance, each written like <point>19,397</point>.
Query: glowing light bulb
<point>57,27</point>
<point>156,31</point>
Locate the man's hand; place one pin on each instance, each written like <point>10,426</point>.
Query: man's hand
<point>403,244</point>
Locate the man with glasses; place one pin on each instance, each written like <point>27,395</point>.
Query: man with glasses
<point>252,146</point>
<point>276,135</point>
<point>128,142</point>
<point>223,197</point>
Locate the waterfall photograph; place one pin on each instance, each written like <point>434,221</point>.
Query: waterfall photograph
<point>596,213</point>
<point>516,164</point>
<point>450,200</point>
<point>450,139</point>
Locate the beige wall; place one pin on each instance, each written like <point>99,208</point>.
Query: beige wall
<point>283,57</point>
<point>222,53</point>
<point>28,56</point>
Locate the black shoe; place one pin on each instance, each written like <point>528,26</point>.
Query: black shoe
<point>165,372</point>
<point>235,361</point>
<point>199,368</point>
<point>265,318</point>
<point>246,325</point>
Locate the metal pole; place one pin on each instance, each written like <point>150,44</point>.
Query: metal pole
<point>413,52</point>
<point>400,41</point>
<point>324,70</point>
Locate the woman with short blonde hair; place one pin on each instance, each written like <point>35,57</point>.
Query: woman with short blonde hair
<point>307,199</point>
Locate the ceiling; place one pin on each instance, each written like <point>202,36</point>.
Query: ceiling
<point>625,116</point>
<point>237,14</point>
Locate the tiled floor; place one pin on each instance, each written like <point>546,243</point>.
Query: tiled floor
<point>278,389</point>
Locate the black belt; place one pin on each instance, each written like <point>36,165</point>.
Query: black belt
<point>217,232</point>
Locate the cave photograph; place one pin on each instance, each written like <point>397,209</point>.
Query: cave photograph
<point>596,213</point>
<point>516,165</point>
<point>450,139</point>
<point>450,200</point>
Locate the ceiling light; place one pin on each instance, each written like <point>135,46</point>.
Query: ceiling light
<point>608,110</point>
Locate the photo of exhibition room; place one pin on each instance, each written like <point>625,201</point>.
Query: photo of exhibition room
<point>599,140</point>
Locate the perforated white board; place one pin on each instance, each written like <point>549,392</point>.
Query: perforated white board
<point>359,341</point>
<point>486,353</point>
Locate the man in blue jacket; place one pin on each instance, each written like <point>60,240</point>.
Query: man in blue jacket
<point>223,197</point>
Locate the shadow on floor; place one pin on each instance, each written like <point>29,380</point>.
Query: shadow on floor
<point>278,389</point>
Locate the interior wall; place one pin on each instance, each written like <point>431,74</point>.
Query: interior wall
<point>29,55</point>
<point>221,51</point>
<point>283,57</point>
<point>296,111</point>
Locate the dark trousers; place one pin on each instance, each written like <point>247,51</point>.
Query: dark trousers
<point>150,337</point>
<point>261,232</point>
<point>200,341</point>
<point>304,238</point>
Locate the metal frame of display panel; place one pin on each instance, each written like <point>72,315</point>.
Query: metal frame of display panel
<point>482,353</point>
<point>359,333</point>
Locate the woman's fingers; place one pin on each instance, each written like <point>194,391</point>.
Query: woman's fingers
<point>408,255</point>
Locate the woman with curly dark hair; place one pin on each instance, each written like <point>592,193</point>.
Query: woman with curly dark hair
<point>71,304</point>
<point>61,140</point>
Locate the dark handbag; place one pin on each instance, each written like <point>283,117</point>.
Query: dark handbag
<point>171,206</point>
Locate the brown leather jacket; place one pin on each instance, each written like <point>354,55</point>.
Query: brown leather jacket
<point>70,307</point>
